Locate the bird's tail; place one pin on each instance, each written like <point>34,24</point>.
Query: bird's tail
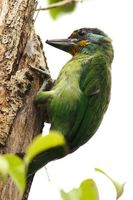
<point>42,150</point>
<point>45,157</point>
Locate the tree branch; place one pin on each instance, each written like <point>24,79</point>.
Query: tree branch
<point>59,4</point>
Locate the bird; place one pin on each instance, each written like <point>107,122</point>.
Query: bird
<point>80,96</point>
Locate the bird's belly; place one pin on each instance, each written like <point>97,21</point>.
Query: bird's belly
<point>63,109</point>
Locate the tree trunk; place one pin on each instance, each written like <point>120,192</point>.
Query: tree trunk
<point>19,48</point>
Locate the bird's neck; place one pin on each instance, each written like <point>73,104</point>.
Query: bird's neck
<point>91,50</point>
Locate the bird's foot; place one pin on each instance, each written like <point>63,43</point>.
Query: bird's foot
<point>40,70</point>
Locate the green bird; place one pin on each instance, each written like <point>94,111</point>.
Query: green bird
<point>81,94</point>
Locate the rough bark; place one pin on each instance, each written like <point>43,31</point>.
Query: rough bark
<point>19,48</point>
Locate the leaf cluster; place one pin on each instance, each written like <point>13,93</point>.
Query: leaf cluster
<point>55,12</point>
<point>15,167</point>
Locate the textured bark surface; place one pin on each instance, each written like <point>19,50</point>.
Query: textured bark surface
<point>19,48</point>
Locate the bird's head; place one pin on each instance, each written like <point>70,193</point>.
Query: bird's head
<point>82,41</point>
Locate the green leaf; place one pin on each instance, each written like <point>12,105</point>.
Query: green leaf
<point>55,12</point>
<point>72,195</point>
<point>12,165</point>
<point>118,186</point>
<point>87,191</point>
<point>3,168</point>
<point>43,143</point>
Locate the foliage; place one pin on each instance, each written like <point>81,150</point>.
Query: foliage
<point>55,12</point>
<point>87,191</point>
<point>41,144</point>
<point>15,167</point>
<point>118,186</point>
<point>12,165</point>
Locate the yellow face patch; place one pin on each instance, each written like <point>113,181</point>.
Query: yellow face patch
<point>83,43</point>
<point>76,48</point>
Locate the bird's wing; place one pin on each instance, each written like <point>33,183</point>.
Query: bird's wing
<point>87,121</point>
<point>89,81</point>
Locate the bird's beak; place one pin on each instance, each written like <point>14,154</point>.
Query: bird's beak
<point>64,44</point>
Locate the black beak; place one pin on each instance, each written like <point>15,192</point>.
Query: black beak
<point>63,44</point>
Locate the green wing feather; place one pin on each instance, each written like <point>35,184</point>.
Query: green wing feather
<point>95,85</point>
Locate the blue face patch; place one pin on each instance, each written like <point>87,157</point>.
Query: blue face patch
<point>94,38</point>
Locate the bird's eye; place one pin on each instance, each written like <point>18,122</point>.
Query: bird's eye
<point>81,33</point>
